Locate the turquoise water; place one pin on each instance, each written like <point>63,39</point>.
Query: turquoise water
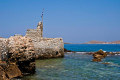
<point>77,66</point>
<point>93,47</point>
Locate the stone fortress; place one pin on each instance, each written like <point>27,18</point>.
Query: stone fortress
<point>45,47</point>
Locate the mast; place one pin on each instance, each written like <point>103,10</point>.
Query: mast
<point>42,15</point>
<point>42,24</point>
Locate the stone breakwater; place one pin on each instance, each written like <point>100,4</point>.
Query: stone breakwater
<point>16,57</point>
<point>18,53</point>
<point>49,48</point>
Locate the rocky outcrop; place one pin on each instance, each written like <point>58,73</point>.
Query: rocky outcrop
<point>12,70</point>
<point>3,75</point>
<point>99,55</point>
<point>18,57</point>
<point>65,50</point>
<point>9,70</point>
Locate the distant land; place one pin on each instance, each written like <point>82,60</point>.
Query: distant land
<point>102,42</point>
<point>97,42</point>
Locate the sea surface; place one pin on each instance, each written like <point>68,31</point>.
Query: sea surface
<point>93,47</point>
<point>77,66</point>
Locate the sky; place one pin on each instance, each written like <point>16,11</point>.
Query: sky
<point>76,21</point>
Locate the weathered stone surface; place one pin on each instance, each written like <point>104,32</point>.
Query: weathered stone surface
<point>45,47</point>
<point>21,48</point>
<point>20,56</point>
<point>35,34</point>
<point>21,51</point>
<point>49,48</point>
<point>97,56</point>
<point>3,48</point>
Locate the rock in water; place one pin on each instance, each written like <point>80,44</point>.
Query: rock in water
<point>12,71</point>
<point>3,75</point>
<point>99,55</point>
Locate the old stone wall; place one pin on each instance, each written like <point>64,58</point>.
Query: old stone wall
<point>49,48</point>
<point>34,34</point>
<point>45,47</point>
<point>17,57</point>
<point>3,48</point>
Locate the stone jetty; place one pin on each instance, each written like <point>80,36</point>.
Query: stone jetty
<point>18,53</point>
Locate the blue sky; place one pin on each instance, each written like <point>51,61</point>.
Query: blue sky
<point>76,21</point>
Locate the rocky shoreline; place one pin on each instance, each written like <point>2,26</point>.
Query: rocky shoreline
<point>97,56</point>
<point>91,53</point>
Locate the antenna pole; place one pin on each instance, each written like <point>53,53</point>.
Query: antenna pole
<point>42,15</point>
<point>42,24</point>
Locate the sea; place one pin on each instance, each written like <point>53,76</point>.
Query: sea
<point>79,66</point>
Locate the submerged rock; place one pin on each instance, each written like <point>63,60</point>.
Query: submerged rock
<point>65,50</point>
<point>99,55</point>
<point>106,63</point>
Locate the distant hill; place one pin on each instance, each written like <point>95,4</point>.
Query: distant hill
<point>115,42</point>
<point>102,42</point>
<point>95,42</point>
<point>67,43</point>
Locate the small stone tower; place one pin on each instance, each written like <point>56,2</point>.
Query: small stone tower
<point>40,27</point>
<point>35,34</point>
